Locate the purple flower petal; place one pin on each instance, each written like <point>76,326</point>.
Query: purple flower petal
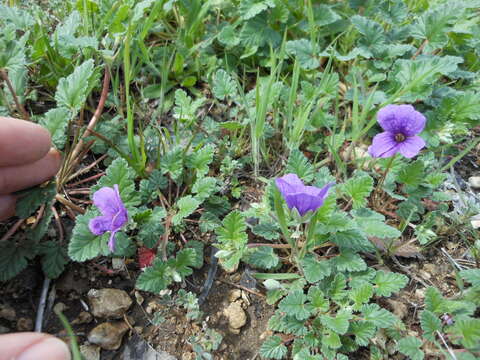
<point>99,225</point>
<point>301,197</point>
<point>411,146</point>
<point>106,201</point>
<point>111,241</point>
<point>289,184</point>
<point>383,145</point>
<point>403,119</point>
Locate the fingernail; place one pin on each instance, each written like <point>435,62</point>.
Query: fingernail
<point>50,348</point>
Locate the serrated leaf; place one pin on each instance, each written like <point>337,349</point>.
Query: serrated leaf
<point>151,230</point>
<point>186,206</point>
<point>305,53</point>
<point>317,299</point>
<point>379,317</point>
<point>294,304</point>
<point>300,165</point>
<point>13,259</point>
<point>154,278</point>
<point>183,262</point>
<point>172,163</point>
<point>233,229</point>
<point>251,8</point>
<point>84,245</point>
<point>373,32</point>
<point>468,331</point>
<point>349,261</point>
<point>198,246</point>
<point>430,324</point>
<point>263,257</point>
<point>387,283</point>
<point>200,159</point>
<point>185,108</point>
<point>72,91</point>
<point>331,340</point>
<point>339,323</point>
<point>121,174</point>
<point>336,288</point>
<point>358,189</point>
<point>364,331</point>
<point>273,348</point>
<point>269,231</point>
<point>54,259</point>
<point>410,346</point>
<point>204,187</point>
<point>30,201</point>
<point>315,270</point>
<point>223,85</point>
<point>361,295</point>
<point>353,240</point>
<point>413,174</point>
<point>472,276</point>
<point>56,121</point>
<point>434,300</point>
<point>209,222</point>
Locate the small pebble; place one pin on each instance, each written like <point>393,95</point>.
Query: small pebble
<point>24,324</point>
<point>474,182</point>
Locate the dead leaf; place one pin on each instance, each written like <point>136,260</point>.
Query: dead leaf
<point>397,248</point>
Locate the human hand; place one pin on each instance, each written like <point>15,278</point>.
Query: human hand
<point>32,346</point>
<point>26,159</point>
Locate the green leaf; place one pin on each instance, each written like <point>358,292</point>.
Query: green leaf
<point>54,259</point>
<point>184,260</point>
<point>198,246</point>
<point>294,305</point>
<point>204,187</point>
<point>379,317</point>
<point>13,259</point>
<point>185,108</point>
<point>232,238</point>
<point>172,163</point>
<point>358,188</point>
<point>299,164</point>
<point>84,245</point>
<point>361,295</point>
<point>72,91</point>
<point>314,269</point>
<point>223,85</point>
<point>434,301</point>
<point>472,276</point>
<point>352,240</point>
<point>56,121</point>
<point>267,230</point>
<point>154,278</point>
<point>336,288</point>
<point>410,346</point>
<point>263,257</point>
<point>304,51</point>
<point>186,206</point>
<point>273,348</point>
<point>389,282</point>
<point>413,174</point>
<point>349,261</point>
<point>468,331</point>
<point>373,32</point>
<point>121,174</point>
<point>317,299</point>
<point>251,8</point>
<point>364,331</point>
<point>31,200</point>
<point>331,340</point>
<point>152,229</point>
<point>339,323</point>
<point>200,159</point>
<point>430,324</point>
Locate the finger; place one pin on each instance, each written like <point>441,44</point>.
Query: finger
<point>7,206</point>
<point>22,142</point>
<point>32,346</point>
<point>14,178</point>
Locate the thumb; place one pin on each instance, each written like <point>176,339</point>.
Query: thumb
<point>32,346</point>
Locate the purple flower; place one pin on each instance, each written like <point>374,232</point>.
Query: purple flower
<point>402,124</point>
<point>114,214</point>
<point>301,197</point>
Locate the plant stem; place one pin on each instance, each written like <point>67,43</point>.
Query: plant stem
<point>20,108</point>
<point>380,183</point>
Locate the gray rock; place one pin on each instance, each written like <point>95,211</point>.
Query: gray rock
<point>236,317</point>
<point>90,352</point>
<point>108,335</point>
<point>137,348</point>
<point>7,312</point>
<point>474,182</point>
<point>109,303</point>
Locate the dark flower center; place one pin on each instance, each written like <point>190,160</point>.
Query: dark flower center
<point>399,137</point>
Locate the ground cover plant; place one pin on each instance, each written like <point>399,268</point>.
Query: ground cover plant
<point>320,149</point>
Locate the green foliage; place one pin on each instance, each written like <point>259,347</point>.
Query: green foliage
<point>54,259</point>
<point>315,270</point>
<point>357,189</point>
<point>273,348</point>
<point>412,174</point>
<point>294,305</point>
<point>232,239</point>
<point>388,282</point>
<point>186,206</point>
<point>223,85</point>
<point>410,346</point>
<point>299,164</point>
<point>56,121</point>
<point>31,201</point>
<point>83,244</point>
